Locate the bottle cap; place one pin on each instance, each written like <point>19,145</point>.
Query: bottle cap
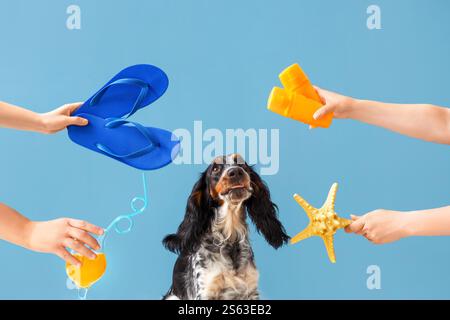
<point>278,101</point>
<point>292,77</point>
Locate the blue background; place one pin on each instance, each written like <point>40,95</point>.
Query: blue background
<point>222,58</point>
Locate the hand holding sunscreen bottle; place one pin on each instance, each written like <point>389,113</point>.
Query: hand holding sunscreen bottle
<point>298,100</point>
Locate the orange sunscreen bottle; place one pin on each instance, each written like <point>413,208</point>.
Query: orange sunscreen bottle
<point>299,100</point>
<point>295,80</point>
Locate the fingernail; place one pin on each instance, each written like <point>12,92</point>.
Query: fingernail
<point>316,115</point>
<point>84,121</point>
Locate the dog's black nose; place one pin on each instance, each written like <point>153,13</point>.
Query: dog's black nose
<point>235,172</point>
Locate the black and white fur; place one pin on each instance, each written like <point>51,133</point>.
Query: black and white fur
<point>216,260</point>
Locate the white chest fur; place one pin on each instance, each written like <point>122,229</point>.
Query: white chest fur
<point>218,280</point>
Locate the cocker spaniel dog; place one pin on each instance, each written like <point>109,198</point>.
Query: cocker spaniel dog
<point>216,259</point>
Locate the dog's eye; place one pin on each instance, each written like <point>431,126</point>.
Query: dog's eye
<point>215,168</point>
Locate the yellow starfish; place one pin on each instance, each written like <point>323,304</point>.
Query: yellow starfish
<point>324,222</point>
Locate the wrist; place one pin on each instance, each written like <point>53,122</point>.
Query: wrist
<point>351,105</point>
<point>40,124</point>
<point>410,225</point>
<point>28,229</point>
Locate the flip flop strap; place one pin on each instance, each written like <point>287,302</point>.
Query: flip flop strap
<point>119,122</point>
<point>129,81</point>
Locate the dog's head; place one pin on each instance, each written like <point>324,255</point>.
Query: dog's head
<point>228,180</point>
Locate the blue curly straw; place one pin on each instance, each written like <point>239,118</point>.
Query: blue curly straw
<point>129,217</point>
<point>82,293</point>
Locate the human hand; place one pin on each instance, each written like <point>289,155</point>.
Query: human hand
<point>56,235</point>
<point>340,105</point>
<point>381,226</point>
<point>61,118</point>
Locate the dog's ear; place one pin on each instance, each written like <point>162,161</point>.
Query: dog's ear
<point>196,221</point>
<point>263,212</point>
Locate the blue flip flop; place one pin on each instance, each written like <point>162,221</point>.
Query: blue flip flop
<point>145,83</point>
<point>129,142</point>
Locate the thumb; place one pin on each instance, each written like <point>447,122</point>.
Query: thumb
<point>356,226</point>
<point>319,92</point>
<point>354,218</point>
<point>323,111</point>
<point>77,121</point>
